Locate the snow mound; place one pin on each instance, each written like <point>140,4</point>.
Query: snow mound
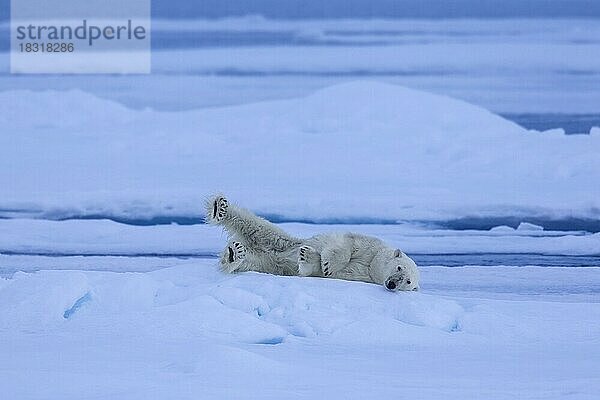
<point>251,308</point>
<point>314,307</point>
<point>37,301</point>
<point>388,153</point>
<point>72,110</point>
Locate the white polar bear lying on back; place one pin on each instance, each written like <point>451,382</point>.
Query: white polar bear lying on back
<point>257,245</point>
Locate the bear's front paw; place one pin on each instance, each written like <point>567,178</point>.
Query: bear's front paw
<point>219,208</point>
<point>306,253</point>
<point>327,268</point>
<point>307,256</point>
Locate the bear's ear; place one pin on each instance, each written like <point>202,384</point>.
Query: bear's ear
<point>398,253</point>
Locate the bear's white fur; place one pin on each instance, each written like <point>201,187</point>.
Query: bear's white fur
<point>255,244</point>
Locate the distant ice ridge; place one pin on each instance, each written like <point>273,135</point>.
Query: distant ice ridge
<point>101,238</point>
<point>357,151</point>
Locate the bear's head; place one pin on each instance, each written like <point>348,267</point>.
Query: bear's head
<point>397,270</point>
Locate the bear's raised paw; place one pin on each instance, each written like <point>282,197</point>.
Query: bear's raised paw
<point>235,252</point>
<point>219,208</point>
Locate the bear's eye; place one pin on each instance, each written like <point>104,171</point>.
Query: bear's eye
<point>399,269</point>
<point>408,282</point>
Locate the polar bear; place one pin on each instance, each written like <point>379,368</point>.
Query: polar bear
<point>255,244</point>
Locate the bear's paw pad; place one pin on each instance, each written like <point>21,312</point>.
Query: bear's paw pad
<point>235,252</point>
<point>219,210</point>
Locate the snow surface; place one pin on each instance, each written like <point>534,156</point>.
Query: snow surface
<point>134,312</point>
<point>156,319</point>
<point>421,156</point>
<point>190,332</point>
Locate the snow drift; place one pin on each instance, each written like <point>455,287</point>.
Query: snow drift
<point>360,151</point>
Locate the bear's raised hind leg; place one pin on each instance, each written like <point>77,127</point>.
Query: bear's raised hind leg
<point>256,233</point>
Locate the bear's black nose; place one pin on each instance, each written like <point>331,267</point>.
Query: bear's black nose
<point>390,285</point>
